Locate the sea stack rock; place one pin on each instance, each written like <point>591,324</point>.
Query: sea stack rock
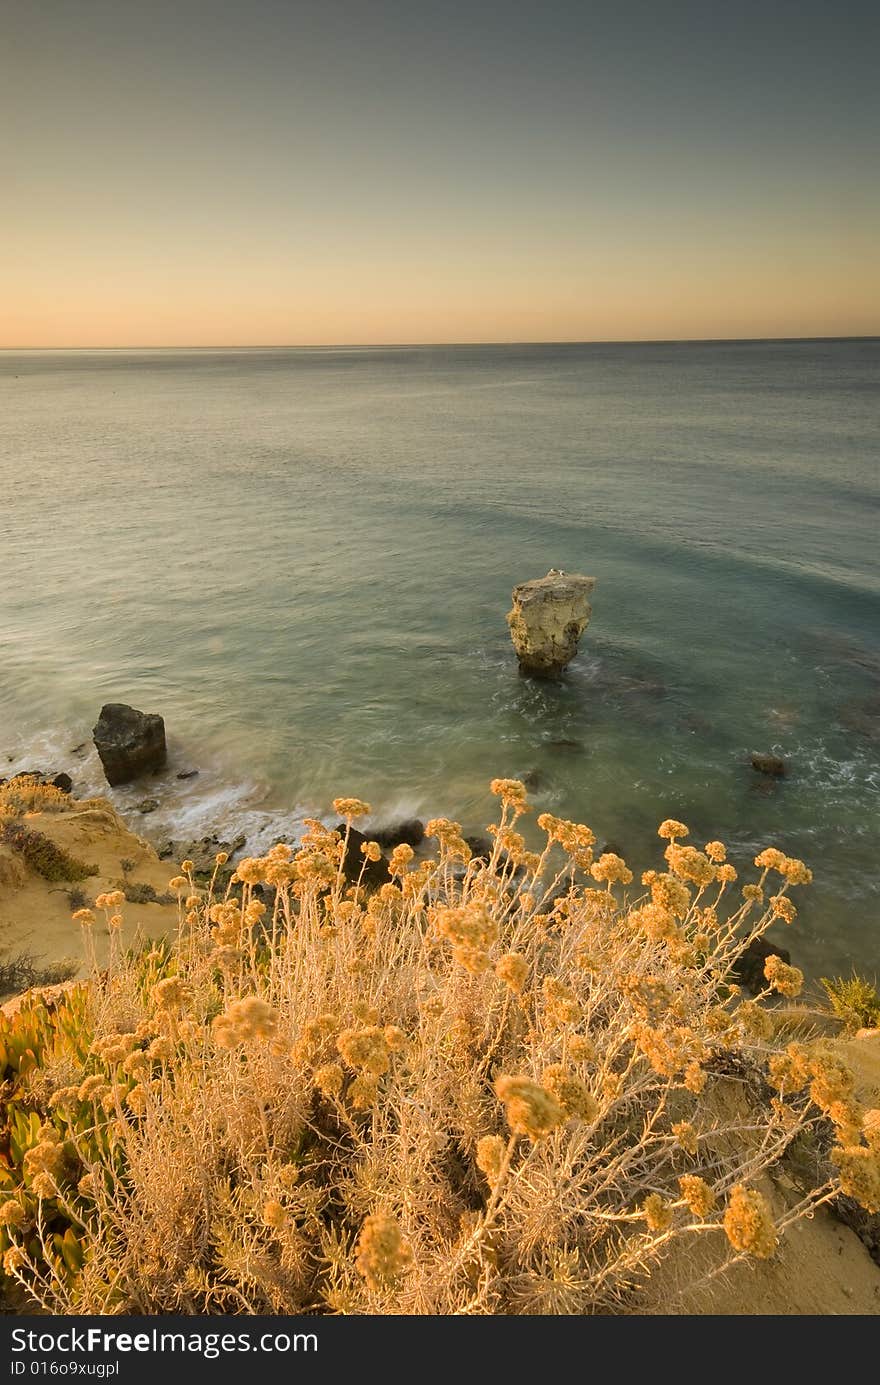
<point>130,743</point>
<point>549,616</point>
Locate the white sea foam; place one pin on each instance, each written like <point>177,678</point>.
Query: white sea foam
<point>216,801</point>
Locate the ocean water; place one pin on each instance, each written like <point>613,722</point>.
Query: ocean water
<point>303,559</point>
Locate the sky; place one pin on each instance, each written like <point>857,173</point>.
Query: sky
<point>295,172</point>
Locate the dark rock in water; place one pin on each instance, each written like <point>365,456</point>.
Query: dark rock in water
<point>564,743</point>
<point>130,743</point>
<point>148,805</point>
<point>534,780</point>
<point>641,687</point>
<point>631,687</point>
<point>749,967</point>
<point>613,849</point>
<point>480,846</point>
<point>375,873</point>
<point>769,764</point>
<point>410,832</point>
<point>187,774</point>
<point>201,851</point>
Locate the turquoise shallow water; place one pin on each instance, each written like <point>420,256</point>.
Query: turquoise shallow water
<point>303,559</point>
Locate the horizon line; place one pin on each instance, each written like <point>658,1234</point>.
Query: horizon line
<point>428,345</point>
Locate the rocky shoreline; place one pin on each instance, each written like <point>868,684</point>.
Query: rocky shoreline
<point>97,851</point>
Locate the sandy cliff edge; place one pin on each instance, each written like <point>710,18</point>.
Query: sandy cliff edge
<point>35,914</point>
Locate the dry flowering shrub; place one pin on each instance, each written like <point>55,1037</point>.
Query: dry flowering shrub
<point>749,1224</point>
<point>328,1079</point>
<point>611,869</point>
<point>27,793</point>
<point>686,1136</point>
<point>570,1091</point>
<point>531,1108</point>
<point>365,1050</point>
<point>382,1254</point>
<point>698,1194</point>
<point>491,1157</point>
<point>503,1085</point>
<point>783,978</point>
<point>245,1021</point>
<point>859,1172</point>
<point>471,929</point>
<point>657,1213</point>
<point>351,807</point>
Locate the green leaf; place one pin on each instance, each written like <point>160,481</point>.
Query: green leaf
<point>72,1251</point>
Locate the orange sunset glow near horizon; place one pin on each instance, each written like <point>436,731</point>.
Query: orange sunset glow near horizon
<point>303,174</point>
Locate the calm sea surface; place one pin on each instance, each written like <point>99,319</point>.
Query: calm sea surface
<point>304,558</point>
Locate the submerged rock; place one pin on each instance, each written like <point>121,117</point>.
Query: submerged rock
<point>534,780</point>
<point>548,617</point>
<point>201,851</point>
<point>480,846</point>
<point>634,684</point>
<point>410,832</point>
<point>129,743</point>
<point>769,764</point>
